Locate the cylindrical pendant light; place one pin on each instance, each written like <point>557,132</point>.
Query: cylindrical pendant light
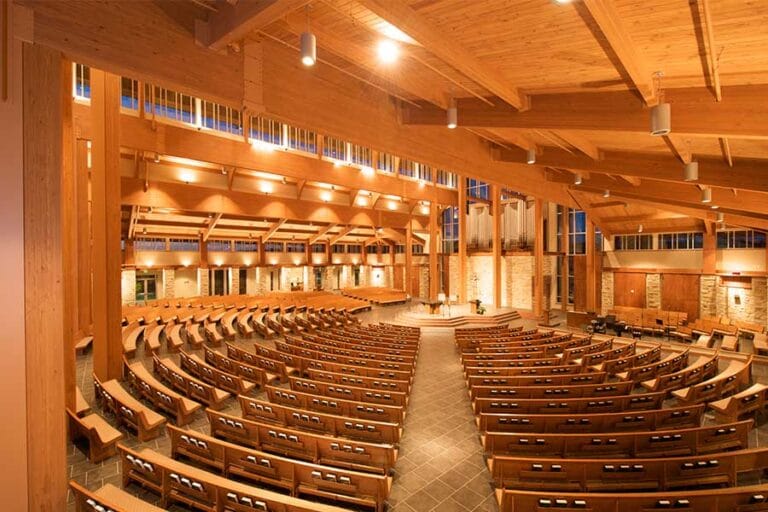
<point>453,114</point>
<point>691,171</point>
<point>308,49</point>
<point>706,195</point>
<point>661,119</point>
<point>531,156</point>
<point>640,228</point>
<point>720,217</point>
<point>577,179</point>
<point>607,193</point>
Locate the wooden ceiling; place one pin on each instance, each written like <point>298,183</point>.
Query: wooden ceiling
<point>573,81</point>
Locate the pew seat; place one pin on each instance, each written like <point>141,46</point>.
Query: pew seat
<point>730,343</point>
<point>108,498</point>
<point>162,397</point>
<point>147,423</point>
<point>193,388</point>
<point>760,343</point>
<point>749,401</point>
<point>101,436</point>
<point>81,406</point>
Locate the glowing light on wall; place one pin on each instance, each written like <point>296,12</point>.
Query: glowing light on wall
<point>186,263</point>
<point>392,205</point>
<point>325,196</point>
<point>247,262</point>
<point>219,263</point>
<point>260,145</point>
<point>266,187</point>
<point>367,171</point>
<point>186,177</point>
<point>388,51</point>
<point>361,201</point>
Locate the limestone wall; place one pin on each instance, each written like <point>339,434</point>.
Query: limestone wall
<point>708,296</point>
<point>128,286</point>
<point>653,291</point>
<point>606,291</point>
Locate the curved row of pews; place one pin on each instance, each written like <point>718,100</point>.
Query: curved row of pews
<point>323,429</point>
<point>575,422</point>
<point>377,295</point>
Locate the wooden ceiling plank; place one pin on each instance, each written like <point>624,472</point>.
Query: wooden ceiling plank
<point>321,233</point>
<point>709,49</point>
<point>344,232</point>
<point>609,21</point>
<point>133,221</point>
<point>273,229</point>
<point>725,147</point>
<point>419,28</point>
<point>232,23</point>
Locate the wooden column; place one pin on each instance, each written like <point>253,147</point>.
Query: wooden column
<point>538,257</point>
<point>409,258</point>
<point>565,246</point>
<point>434,279</point>
<point>84,236</point>
<point>496,243</point>
<point>70,233</point>
<point>710,248</point>
<point>204,252</point>
<point>48,342</point>
<point>591,303</point>
<point>105,161</point>
<point>462,277</point>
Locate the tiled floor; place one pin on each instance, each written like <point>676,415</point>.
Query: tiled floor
<point>440,465</point>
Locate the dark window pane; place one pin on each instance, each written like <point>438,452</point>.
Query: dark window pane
<point>759,240</point>
<point>740,239</point>
<point>722,240</point>
<point>698,240</point>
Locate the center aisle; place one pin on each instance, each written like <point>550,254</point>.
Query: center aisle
<point>440,465</point>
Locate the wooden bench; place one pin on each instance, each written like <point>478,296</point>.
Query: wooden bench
<point>559,405</point>
<point>552,392</point>
<point>523,371</point>
<point>736,499</point>
<point>101,436</point>
<point>193,388</point>
<point>736,376</point>
<point>624,363</point>
<point>128,411</point>
<point>655,419</point>
<point>401,386</point>
<point>623,475</point>
<point>517,360</point>
<point>259,322</point>
<point>670,364</point>
<point>312,447</point>
<point>82,407</point>
<point>324,356</point>
<point>660,443</point>
<point>730,343</point>
<point>180,407</point>
<point>212,375</point>
<point>176,482</point>
<point>359,394</point>
<point>705,341</point>
<point>152,342</point>
<point>747,402</point>
<point>333,425</point>
<point>212,334</point>
<point>319,347</point>
<point>231,366</point>
<point>297,477</point>
<point>704,368</point>
<point>760,344</point>
<point>131,335</point>
<point>108,498</point>
<point>175,341</point>
<point>369,346</point>
<point>276,369</point>
<point>537,380</point>
<point>83,344</point>
<point>227,325</point>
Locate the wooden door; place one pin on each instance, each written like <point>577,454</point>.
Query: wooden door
<point>629,289</point>
<point>579,283</point>
<point>398,278</point>
<point>415,280</point>
<point>680,292</point>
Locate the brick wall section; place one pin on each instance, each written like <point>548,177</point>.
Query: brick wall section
<point>653,291</point>
<point>606,291</point>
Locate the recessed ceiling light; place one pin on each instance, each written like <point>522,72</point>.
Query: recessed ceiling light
<point>388,51</point>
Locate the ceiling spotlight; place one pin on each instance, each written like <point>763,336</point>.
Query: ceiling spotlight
<point>640,228</point>
<point>661,119</point>
<point>607,193</point>
<point>531,157</point>
<point>453,114</point>
<point>720,217</point>
<point>562,2</point>
<point>285,180</point>
<point>157,158</point>
<point>388,51</point>
<point>691,171</point>
<point>577,179</point>
<point>706,195</point>
<point>308,44</point>
<point>714,207</point>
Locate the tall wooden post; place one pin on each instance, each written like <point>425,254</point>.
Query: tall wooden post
<point>462,277</point>
<point>203,248</point>
<point>710,248</point>
<point>434,279</point>
<point>591,303</point>
<point>84,237</point>
<point>409,258</point>
<point>105,158</point>
<point>538,258</point>
<point>496,245</point>
<point>565,246</point>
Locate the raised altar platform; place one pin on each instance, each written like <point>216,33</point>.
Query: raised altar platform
<point>456,315</point>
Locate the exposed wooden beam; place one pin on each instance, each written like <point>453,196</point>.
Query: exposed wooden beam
<point>272,230</point>
<point>341,234</point>
<point>444,47</point>
<point>678,147</point>
<point>632,180</point>
<point>211,226</point>
<point>695,112</point>
<point>607,204</point>
<point>583,201</point>
<point>609,22</point>
<point>725,147</point>
<point>231,177</point>
<point>513,138</point>
<point>232,22</point>
<point>709,49</point>
<point>393,235</point>
<point>132,221</point>
<point>322,232</point>
<point>580,143</point>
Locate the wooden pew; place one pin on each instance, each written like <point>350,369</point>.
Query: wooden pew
<point>176,482</point>
<point>187,384</point>
<point>358,394</point>
<point>227,324</point>
<point>316,448</point>
<point>244,370</point>
<point>336,406</point>
<point>304,419</point>
<point>128,411</point>
<point>736,499</point>
<point>537,380</point>
<point>276,369</point>
<point>359,345</point>
<point>401,386</point>
<point>175,341</point>
<point>747,402</point>
<point>82,407</point>
<point>580,405</point>
<point>730,343</point>
<point>736,376</point>
<point>244,323</point>
<point>552,392</point>
<point>660,443</point>
<point>670,364</point>
<point>108,498</point>
<point>101,436</point>
<point>623,475</point>
<point>760,344</point>
<point>212,334</point>
<point>153,340</point>
<point>517,361</point>
<point>212,375</point>
<point>637,359</point>
<point>324,356</point>
<point>131,335</point>
<point>299,478</point>
<point>162,397</point>
<point>524,371</point>
<point>363,354</point>
<point>704,368</point>
<point>655,419</point>
<point>82,345</point>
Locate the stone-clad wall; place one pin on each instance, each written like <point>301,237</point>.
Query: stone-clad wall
<point>708,296</point>
<point>518,278</point>
<point>653,291</point>
<point>606,293</point>
<point>744,304</point>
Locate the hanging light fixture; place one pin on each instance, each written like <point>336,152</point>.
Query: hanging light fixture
<point>706,195</point>
<point>577,179</point>
<point>640,228</point>
<point>607,193</point>
<point>661,119</point>
<point>691,171</point>
<point>720,217</point>
<point>453,114</point>
<point>308,45</point>
<point>531,156</point>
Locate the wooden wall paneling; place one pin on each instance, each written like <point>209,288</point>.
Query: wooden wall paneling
<point>680,292</point>
<point>710,251</point>
<point>496,243</point>
<point>84,235</point>
<point>538,257</point>
<point>629,289</point>
<point>462,277</point>
<point>591,285</point>
<point>565,248</point>
<point>409,273</point>
<point>105,162</point>
<point>398,277</point>
<point>70,233</point>
<point>13,371</point>
<point>44,111</point>
<point>434,282</point>
<point>580,285</point>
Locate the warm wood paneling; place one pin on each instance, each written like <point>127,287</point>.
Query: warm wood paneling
<point>680,292</point>
<point>629,289</point>
<point>579,283</point>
